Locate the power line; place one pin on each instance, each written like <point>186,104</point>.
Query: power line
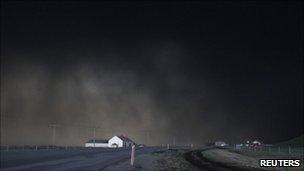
<point>53,126</point>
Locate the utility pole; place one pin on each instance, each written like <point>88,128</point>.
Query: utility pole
<point>4,118</point>
<point>94,128</point>
<point>174,140</point>
<point>53,126</point>
<point>3,125</point>
<point>188,142</point>
<point>94,135</point>
<point>3,100</point>
<point>147,137</point>
<point>146,134</point>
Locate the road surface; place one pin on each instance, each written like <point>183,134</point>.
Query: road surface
<point>66,160</point>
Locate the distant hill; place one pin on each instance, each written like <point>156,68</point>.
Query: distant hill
<point>295,142</point>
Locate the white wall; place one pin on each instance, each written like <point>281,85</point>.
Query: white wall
<point>105,145</point>
<point>115,140</point>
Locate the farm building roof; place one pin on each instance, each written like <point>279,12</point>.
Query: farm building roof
<point>124,138</point>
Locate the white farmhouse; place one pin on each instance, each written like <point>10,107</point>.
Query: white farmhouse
<point>220,144</point>
<point>97,143</point>
<point>256,143</point>
<point>120,141</point>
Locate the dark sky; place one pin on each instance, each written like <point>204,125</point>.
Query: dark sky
<point>194,71</point>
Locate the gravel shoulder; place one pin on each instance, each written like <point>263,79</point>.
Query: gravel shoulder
<point>159,160</point>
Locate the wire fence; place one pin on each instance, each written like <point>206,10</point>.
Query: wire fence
<point>273,150</point>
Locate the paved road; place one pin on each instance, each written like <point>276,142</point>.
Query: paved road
<point>66,160</point>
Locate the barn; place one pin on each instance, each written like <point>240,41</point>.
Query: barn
<point>97,143</point>
<point>120,141</point>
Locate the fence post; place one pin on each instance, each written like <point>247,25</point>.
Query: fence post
<point>132,155</point>
<point>36,148</point>
<point>168,146</point>
<point>289,150</point>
